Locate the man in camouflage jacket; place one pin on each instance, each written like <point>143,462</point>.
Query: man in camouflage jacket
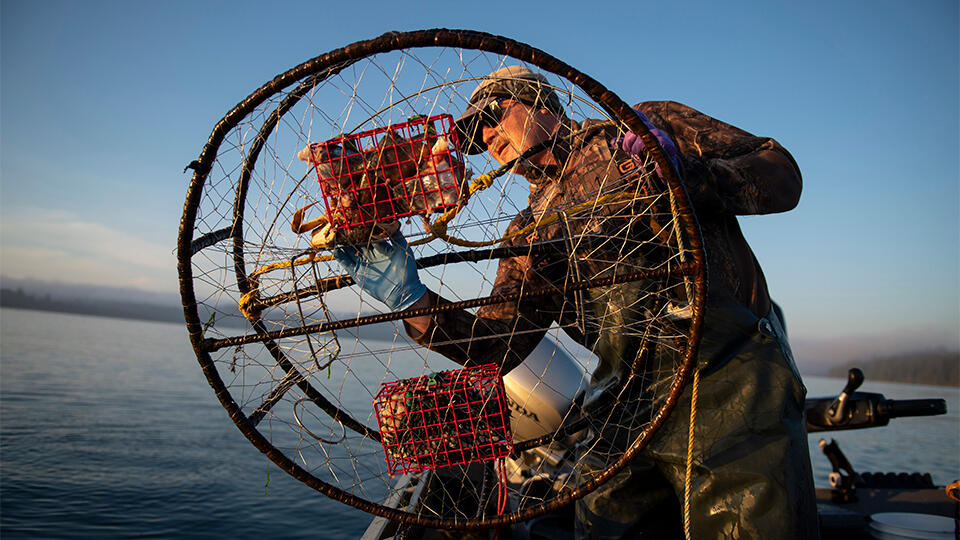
<point>751,473</point>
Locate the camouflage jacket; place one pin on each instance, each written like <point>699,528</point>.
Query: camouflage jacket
<point>727,172</point>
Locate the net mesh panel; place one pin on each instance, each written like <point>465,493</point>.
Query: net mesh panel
<point>340,445</point>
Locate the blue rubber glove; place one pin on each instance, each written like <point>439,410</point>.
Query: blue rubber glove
<point>633,144</point>
<point>386,270</point>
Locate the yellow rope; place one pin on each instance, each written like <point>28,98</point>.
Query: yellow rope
<point>688,476</point>
<point>439,227</point>
<point>248,301</point>
<point>481,182</point>
<point>439,230</point>
<point>287,264</point>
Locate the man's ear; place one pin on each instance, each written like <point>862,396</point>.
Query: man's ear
<point>544,110</point>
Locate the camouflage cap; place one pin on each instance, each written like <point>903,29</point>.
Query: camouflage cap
<point>513,82</point>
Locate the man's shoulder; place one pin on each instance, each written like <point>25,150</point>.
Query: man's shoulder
<point>666,110</point>
<point>661,103</point>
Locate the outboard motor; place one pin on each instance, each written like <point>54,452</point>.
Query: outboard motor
<point>542,390</point>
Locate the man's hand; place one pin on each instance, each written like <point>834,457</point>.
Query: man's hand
<point>386,270</point>
<point>633,144</point>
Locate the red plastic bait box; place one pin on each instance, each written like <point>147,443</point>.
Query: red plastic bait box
<point>443,419</point>
<point>392,172</point>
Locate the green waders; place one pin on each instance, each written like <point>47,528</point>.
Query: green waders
<point>751,475</point>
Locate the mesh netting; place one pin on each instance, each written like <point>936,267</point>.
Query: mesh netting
<point>607,283</point>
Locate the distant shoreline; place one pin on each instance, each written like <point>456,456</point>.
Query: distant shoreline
<point>98,308</point>
<point>873,379</point>
<point>937,368</point>
<point>143,311</point>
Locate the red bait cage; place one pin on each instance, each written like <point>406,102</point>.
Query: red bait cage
<point>444,419</point>
<point>383,174</point>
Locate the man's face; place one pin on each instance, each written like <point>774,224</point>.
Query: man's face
<point>521,126</point>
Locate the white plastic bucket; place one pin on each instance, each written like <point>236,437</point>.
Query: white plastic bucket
<point>900,525</point>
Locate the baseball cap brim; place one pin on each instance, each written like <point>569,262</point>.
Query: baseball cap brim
<point>469,129</point>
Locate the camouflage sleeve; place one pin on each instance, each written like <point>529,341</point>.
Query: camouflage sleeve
<point>502,333</point>
<point>726,169</point>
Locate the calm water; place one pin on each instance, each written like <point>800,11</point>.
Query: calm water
<point>109,430</point>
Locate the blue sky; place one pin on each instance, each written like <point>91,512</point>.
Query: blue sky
<point>102,104</point>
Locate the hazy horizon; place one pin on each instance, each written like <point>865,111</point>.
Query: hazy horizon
<point>814,356</point>
<point>104,103</point>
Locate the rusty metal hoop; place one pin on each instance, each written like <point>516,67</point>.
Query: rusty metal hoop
<point>310,73</point>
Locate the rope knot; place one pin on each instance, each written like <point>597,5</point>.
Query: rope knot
<point>249,304</point>
<point>481,182</point>
<point>439,228</point>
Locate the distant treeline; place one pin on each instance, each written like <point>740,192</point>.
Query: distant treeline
<point>940,368</point>
<point>166,313</point>
<point>102,308</point>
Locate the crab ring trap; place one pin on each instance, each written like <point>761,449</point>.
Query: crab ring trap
<point>360,144</point>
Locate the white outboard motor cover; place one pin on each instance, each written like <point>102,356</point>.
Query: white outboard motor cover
<point>541,390</point>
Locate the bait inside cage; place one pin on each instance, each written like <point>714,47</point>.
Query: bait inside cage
<point>444,419</point>
<point>387,173</point>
